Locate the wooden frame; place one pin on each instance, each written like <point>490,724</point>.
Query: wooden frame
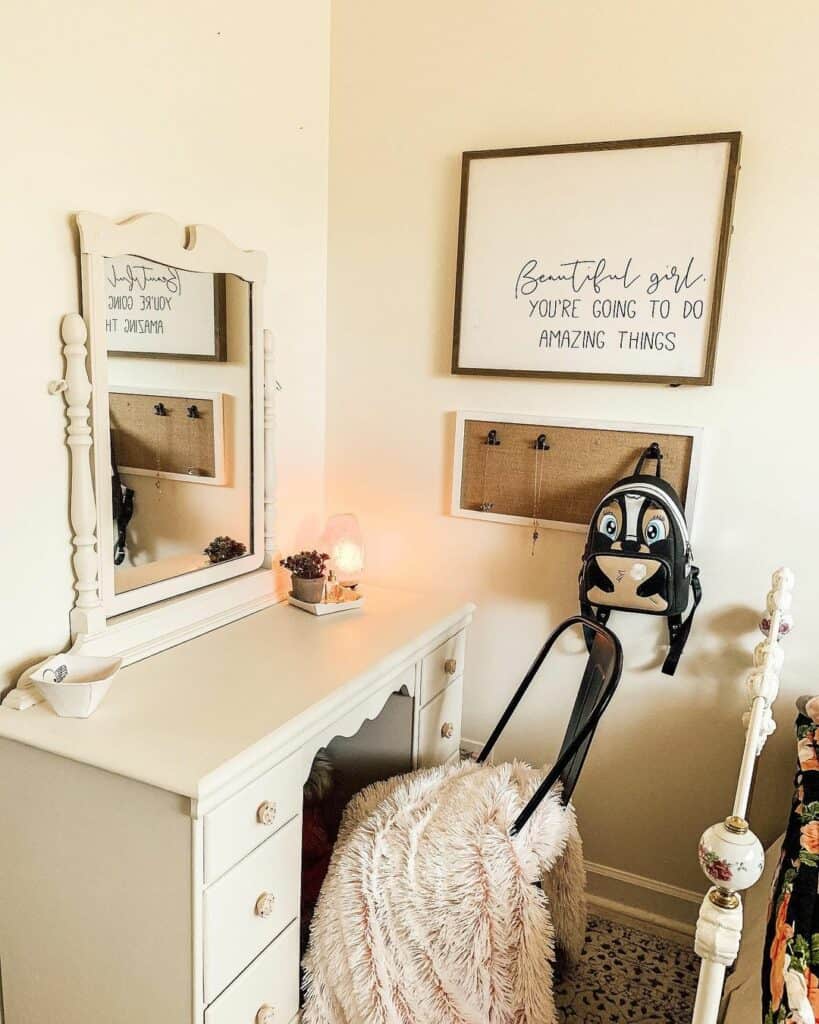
<point>217,594</point>
<point>219,333</point>
<point>216,399</point>
<point>651,431</point>
<point>732,139</point>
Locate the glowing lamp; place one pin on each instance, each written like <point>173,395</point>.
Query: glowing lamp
<point>343,541</point>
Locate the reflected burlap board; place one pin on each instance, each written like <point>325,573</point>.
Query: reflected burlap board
<point>580,465</point>
<point>174,443</point>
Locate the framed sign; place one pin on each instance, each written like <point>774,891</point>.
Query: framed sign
<point>600,261</point>
<point>157,310</point>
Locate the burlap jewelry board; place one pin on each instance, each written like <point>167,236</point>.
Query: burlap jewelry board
<point>154,434</point>
<point>583,459</point>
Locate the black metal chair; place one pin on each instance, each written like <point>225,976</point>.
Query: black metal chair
<point>602,674</point>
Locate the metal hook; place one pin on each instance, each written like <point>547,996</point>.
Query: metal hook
<point>193,413</point>
<point>492,438</point>
<point>160,410</point>
<point>541,444</point>
<point>654,451</point>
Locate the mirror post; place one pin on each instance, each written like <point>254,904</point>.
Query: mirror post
<point>269,451</point>
<point>87,616</point>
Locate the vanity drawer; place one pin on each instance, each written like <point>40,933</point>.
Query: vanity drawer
<point>268,991</point>
<point>441,666</point>
<point>248,907</point>
<point>244,822</point>
<point>439,730</point>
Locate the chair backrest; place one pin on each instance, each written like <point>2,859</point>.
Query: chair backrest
<point>604,667</point>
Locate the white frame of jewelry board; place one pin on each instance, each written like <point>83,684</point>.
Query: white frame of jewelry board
<point>160,615</point>
<point>545,420</point>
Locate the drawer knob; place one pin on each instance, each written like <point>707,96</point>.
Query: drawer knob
<point>265,1014</point>
<point>447,730</point>
<point>450,666</point>
<point>266,813</point>
<point>265,904</point>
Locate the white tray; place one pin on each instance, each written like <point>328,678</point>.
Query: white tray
<point>325,608</point>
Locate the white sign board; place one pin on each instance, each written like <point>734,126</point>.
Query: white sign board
<point>157,310</point>
<point>602,261</point>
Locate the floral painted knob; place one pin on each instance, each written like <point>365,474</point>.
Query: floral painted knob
<point>785,624</point>
<point>266,1014</point>
<point>265,904</point>
<point>447,730</point>
<point>450,666</point>
<point>266,812</point>
<point>731,855</point>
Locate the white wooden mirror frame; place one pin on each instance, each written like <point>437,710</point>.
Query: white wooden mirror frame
<point>173,610</point>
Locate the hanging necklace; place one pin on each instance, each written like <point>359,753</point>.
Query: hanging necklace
<point>540,448</point>
<point>193,414</point>
<point>159,410</point>
<point>492,441</point>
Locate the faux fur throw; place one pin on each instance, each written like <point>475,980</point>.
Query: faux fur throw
<point>429,914</point>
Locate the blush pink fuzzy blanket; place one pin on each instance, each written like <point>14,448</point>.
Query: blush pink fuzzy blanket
<point>428,914</point>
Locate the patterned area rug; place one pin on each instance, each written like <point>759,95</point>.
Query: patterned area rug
<point>628,976</point>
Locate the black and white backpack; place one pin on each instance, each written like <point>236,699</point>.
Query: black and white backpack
<point>638,556</point>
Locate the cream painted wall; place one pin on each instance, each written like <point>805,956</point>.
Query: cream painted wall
<point>209,113</point>
<point>412,86</point>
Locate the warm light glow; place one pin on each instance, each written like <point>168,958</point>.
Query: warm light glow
<point>347,558</point>
<point>343,542</point>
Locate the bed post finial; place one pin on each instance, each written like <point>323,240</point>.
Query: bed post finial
<point>729,853</point>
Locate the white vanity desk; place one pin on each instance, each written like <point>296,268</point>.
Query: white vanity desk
<point>150,855</point>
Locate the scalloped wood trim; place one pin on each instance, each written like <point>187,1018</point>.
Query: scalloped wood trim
<point>158,237</point>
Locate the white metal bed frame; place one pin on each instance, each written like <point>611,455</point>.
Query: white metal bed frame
<point>729,853</point>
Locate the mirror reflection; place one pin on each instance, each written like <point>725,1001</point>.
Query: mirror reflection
<point>179,372</point>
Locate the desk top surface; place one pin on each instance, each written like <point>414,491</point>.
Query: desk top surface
<point>191,718</point>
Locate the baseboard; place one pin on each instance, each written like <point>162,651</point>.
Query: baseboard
<point>643,899</point>
<point>633,915</point>
<point>472,747</point>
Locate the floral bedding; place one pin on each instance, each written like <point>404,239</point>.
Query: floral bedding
<point>790,968</point>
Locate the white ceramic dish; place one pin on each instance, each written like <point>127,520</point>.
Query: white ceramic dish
<point>75,685</point>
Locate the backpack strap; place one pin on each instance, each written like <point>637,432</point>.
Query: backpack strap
<point>124,516</point>
<point>123,507</point>
<point>678,629</point>
<point>652,452</point>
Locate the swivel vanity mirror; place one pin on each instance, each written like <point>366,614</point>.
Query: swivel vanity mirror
<point>172,480</point>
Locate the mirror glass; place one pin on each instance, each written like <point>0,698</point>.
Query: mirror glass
<point>180,398</point>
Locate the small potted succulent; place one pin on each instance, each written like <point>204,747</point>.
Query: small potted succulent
<point>307,575</point>
<point>223,549</point>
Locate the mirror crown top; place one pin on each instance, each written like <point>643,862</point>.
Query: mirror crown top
<point>160,238</point>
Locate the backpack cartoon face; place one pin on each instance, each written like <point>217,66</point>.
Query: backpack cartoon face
<point>631,548</point>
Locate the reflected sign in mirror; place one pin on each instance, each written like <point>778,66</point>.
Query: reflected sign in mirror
<point>155,310</point>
